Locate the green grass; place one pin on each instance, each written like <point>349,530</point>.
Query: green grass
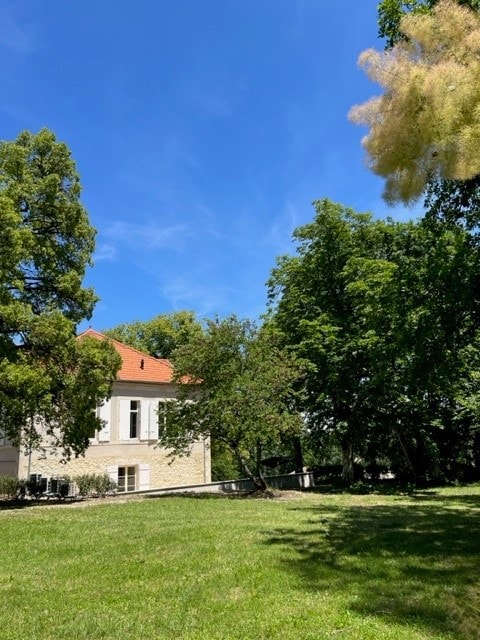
<point>324,566</point>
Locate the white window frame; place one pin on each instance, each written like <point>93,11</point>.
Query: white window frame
<point>134,419</point>
<point>126,476</point>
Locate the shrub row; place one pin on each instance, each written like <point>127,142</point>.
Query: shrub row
<point>89,484</point>
<point>94,484</point>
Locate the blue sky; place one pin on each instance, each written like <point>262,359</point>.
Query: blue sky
<point>202,131</point>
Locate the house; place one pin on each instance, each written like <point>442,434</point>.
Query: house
<point>126,447</point>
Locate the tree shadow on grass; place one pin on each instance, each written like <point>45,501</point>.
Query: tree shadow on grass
<point>416,564</point>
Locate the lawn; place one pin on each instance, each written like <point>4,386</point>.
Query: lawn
<point>317,566</point>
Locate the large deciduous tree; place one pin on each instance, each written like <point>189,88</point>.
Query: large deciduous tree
<point>426,125</point>
<point>385,317</point>
<point>50,382</point>
<point>236,388</point>
<point>315,313</point>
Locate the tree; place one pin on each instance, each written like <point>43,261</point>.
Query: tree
<point>383,315</point>
<point>313,309</point>
<point>236,388</point>
<point>391,12</point>
<point>50,382</point>
<point>426,125</point>
<point>454,201</point>
<point>159,336</point>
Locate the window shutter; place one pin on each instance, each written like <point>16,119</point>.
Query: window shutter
<point>113,473</point>
<point>143,477</point>
<point>144,420</point>
<point>104,413</point>
<point>153,420</point>
<point>124,430</point>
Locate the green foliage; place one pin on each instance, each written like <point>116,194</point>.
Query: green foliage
<point>385,317</point>
<point>9,487</point>
<point>313,296</point>
<point>49,381</point>
<point>236,387</point>
<point>426,125</point>
<point>391,12</point>
<point>160,336</point>
<point>94,484</point>
<point>224,464</point>
<point>455,201</point>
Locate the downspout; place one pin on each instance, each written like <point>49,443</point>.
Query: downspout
<point>204,461</point>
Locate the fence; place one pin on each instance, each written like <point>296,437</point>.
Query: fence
<point>298,481</point>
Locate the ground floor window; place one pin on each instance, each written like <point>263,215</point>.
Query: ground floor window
<point>127,479</point>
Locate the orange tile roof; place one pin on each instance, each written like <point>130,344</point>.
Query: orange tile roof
<point>136,366</point>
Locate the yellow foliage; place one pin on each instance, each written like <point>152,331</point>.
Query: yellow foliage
<point>427,122</point>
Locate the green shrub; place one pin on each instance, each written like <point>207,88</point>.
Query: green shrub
<point>94,484</point>
<point>103,484</point>
<point>9,487</point>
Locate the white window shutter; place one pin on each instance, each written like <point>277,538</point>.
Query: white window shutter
<point>124,423</point>
<point>113,473</point>
<point>104,413</point>
<point>153,420</point>
<point>143,477</point>
<point>144,420</point>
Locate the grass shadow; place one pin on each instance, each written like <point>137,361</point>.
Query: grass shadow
<point>414,563</point>
<point>27,503</point>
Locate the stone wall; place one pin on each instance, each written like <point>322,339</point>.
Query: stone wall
<point>164,472</point>
<point>112,448</point>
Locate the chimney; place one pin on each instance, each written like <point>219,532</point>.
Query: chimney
<point>142,364</point>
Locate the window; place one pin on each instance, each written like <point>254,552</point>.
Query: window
<point>127,479</point>
<point>134,415</point>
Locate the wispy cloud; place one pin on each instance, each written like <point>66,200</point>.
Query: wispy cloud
<point>183,292</point>
<point>147,236</point>
<point>17,112</point>
<point>216,92</point>
<point>214,103</point>
<point>104,251</point>
<point>12,36</point>
<point>282,228</point>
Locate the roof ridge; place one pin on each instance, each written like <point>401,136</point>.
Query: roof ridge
<point>127,346</point>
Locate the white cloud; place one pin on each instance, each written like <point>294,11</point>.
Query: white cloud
<point>282,228</point>
<point>184,293</point>
<point>104,251</point>
<point>148,236</point>
<point>19,113</point>
<point>12,37</point>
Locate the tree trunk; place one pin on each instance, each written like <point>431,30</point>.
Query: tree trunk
<point>347,461</point>
<point>257,479</point>
<point>476,454</point>
<point>298,455</point>
<point>405,454</point>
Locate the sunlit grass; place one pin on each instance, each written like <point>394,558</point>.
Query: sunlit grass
<point>322,566</point>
